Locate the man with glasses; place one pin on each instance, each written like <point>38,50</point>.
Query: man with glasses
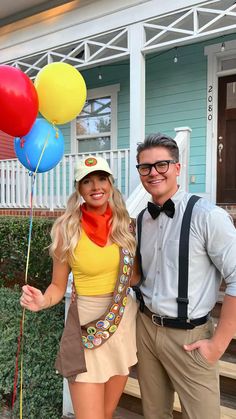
<point>178,348</point>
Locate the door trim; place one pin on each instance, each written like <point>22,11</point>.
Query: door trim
<point>214,57</point>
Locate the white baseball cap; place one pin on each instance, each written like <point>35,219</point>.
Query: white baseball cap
<point>90,164</point>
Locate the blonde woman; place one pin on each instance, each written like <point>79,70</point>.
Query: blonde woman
<point>94,240</point>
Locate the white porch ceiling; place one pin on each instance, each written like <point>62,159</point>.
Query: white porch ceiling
<point>12,11</point>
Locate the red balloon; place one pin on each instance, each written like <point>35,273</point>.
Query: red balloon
<point>18,101</point>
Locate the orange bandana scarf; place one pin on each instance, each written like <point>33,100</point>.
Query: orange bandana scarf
<point>96,226</point>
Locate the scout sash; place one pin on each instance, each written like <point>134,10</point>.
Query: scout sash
<point>95,333</point>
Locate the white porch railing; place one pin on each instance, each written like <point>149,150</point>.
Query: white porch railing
<point>53,188</point>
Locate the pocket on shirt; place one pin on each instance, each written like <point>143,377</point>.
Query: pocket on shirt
<point>172,253</point>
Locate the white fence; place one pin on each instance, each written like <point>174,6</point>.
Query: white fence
<point>53,188</point>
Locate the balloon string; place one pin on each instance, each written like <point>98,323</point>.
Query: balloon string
<point>21,366</point>
<point>22,323</point>
<point>31,205</point>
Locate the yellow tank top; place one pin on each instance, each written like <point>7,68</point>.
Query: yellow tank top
<point>95,269</point>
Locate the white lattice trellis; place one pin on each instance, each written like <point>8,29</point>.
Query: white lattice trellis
<point>87,53</point>
<point>210,19</point>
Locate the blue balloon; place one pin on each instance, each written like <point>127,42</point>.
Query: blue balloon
<point>30,147</point>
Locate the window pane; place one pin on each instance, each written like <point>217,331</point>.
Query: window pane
<point>231,96</point>
<point>94,144</point>
<point>95,117</point>
<point>228,64</point>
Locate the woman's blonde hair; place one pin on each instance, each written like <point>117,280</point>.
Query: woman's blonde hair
<point>66,230</point>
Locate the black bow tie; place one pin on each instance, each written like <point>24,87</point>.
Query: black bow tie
<point>168,208</point>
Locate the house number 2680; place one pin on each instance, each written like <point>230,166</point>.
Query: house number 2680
<point>209,103</point>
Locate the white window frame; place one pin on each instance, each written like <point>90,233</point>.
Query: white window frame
<point>97,93</point>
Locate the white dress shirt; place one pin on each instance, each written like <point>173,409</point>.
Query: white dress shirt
<point>212,255</point>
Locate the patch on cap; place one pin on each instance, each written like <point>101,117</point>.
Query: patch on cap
<point>90,162</point>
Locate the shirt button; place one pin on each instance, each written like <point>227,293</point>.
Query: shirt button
<point>161,226</point>
<point>159,248</point>
<point>158,272</point>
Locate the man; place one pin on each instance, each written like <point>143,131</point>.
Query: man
<point>175,353</point>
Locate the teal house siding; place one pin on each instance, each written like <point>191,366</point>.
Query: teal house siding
<point>176,97</point>
<point>66,131</point>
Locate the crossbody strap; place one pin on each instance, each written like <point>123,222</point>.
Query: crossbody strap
<point>182,299</point>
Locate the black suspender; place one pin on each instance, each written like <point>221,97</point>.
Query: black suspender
<point>182,299</point>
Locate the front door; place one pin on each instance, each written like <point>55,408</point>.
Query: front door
<point>226,147</point>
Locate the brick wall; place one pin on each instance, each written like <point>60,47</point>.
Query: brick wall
<point>7,150</point>
<point>26,212</point>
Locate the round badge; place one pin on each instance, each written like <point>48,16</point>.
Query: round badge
<point>88,345</point>
<point>124,301</point>
<point>91,330</point>
<point>84,339</point>
<point>121,311</point>
<point>125,251</point>
<point>117,320</point>
<point>99,334</point>
<point>106,324</point>
<point>105,334</point>
<point>117,298</point>
<point>125,268</point>
<point>100,324</point>
<point>97,341</point>
<point>131,261</point>
<point>113,328</point>
<point>115,308</point>
<point>90,337</point>
<point>91,161</point>
<point>128,291</point>
<point>120,288</point>
<point>126,260</point>
<point>123,279</point>
<point>110,316</point>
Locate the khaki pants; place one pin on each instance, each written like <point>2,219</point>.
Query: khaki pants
<point>165,367</point>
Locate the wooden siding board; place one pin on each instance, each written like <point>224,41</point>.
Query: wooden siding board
<point>197,169</point>
<point>193,105</point>
<point>189,95</point>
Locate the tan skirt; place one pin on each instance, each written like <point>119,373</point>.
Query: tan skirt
<point>118,353</point>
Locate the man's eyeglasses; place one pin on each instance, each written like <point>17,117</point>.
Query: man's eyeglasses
<point>161,167</point>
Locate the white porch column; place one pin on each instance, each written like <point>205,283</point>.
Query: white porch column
<point>137,97</point>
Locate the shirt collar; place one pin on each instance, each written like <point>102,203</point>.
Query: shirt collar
<point>177,197</point>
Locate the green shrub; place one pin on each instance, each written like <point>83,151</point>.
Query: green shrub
<point>42,387</point>
<point>14,232</point>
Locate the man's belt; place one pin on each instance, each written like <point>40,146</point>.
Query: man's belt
<point>175,323</point>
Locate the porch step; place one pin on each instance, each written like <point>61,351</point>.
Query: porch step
<point>132,388</point>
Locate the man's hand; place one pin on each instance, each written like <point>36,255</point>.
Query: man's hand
<point>207,349</point>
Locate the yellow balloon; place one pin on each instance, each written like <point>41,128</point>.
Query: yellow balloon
<point>61,91</point>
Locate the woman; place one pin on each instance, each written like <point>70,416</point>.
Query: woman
<point>95,242</point>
